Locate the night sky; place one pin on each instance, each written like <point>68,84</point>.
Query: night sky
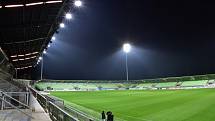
<point>168,37</point>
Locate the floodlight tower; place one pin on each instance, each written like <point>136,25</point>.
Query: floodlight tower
<point>126,49</point>
<point>41,68</point>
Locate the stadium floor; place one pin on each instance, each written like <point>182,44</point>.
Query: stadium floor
<point>140,105</point>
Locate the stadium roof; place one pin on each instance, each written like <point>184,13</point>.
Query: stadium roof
<point>26,28</point>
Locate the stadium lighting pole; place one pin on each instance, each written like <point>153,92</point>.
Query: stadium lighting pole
<point>41,71</point>
<point>126,49</point>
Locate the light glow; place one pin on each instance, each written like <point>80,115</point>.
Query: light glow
<point>12,6</point>
<point>126,47</point>
<point>53,38</point>
<point>37,3</point>
<point>34,52</point>
<point>62,25</point>
<point>44,52</point>
<point>33,57</point>
<point>54,1</point>
<point>40,58</point>
<point>15,60</point>
<point>68,16</point>
<point>28,54</point>
<point>13,56</point>
<point>49,45</point>
<point>21,55</point>
<point>78,3</point>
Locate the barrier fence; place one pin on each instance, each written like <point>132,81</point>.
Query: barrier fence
<point>57,110</point>
<point>80,115</point>
<point>18,101</point>
<point>57,114</point>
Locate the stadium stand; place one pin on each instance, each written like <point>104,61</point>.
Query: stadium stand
<point>47,101</point>
<point>16,102</point>
<point>76,86</point>
<point>194,83</point>
<point>145,85</point>
<point>28,28</point>
<point>166,84</point>
<point>64,85</point>
<point>178,84</point>
<point>211,82</point>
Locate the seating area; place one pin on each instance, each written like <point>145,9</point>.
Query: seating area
<point>211,81</point>
<point>72,86</point>
<point>166,84</point>
<point>195,83</point>
<point>146,85</point>
<point>103,86</point>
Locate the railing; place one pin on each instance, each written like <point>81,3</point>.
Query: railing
<point>22,98</point>
<point>78,114</point>
<point>71,110</point>
<point>55,112</point>
<point>42,100</point>
<point>16,101</point>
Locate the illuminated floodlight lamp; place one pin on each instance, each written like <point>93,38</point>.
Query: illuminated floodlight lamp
<point>53,38</point>
<point>13,56</point>
<point>40,58</point>
<point>78,3</point>
<point>62,25</point>
<point>49,45</point>
<point>54,1</point>
<point>12,6</point>
<point>44,52</point>
<point>68,16</point>
<point>36,3</point>
<point>126,47</point>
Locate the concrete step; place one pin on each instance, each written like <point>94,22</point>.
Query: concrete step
<point>13,115</point>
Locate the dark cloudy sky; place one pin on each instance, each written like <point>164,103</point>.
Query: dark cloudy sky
<point>168,37</point>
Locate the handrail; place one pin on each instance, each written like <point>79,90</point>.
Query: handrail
<point>80,113</point>
<point>49,103</point>
<point>63,111</point>
<point>17,108</point>
<point>14,99</point>
<point>16,92</point>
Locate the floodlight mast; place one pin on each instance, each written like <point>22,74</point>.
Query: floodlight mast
<point>126,49</point>
<point>126,56</point>
<point>41,71</point>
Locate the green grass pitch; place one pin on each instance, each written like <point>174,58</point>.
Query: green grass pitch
<point>160,105</point>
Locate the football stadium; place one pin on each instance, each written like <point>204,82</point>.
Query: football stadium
<point>49,72</point>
